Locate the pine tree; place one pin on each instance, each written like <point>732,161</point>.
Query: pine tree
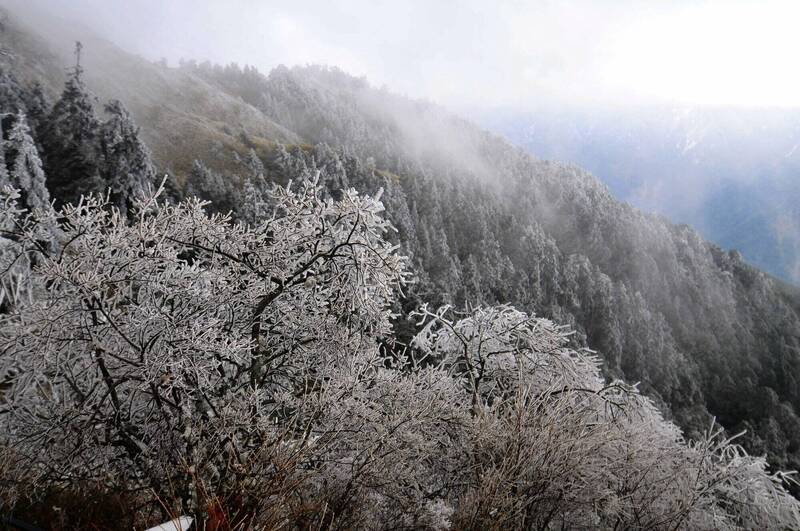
<point>70,142</point>
<point>11,93</point>
<point>254,165</point>
<point>37,110</point>
<point>26,167</point>
<point>209,185</point>
<point>203,182</point>
<point>126,167</point>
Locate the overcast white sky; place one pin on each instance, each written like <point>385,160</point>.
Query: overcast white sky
<point>485,52</point>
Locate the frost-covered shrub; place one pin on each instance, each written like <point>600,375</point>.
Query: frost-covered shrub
<point>159,352</point>
<point>239,372</point>
<point>554,446</point>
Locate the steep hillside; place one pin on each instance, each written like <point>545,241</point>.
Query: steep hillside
<point>483,222</point>
<point>702,330</point>
<point>180,114</point>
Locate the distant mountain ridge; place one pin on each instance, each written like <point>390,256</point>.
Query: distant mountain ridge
<point>482,221</point>
<point>733,173</point>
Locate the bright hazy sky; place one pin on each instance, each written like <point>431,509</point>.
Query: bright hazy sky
<point>486,52</point>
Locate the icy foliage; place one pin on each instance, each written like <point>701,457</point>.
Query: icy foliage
<point>181,328</point>
<point>554,446</point>
<point>244,373</point>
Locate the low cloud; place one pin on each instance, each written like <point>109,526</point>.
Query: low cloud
<point>483,53</point>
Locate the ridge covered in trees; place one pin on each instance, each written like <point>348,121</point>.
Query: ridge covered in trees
<point>256,343</point>
<point>702,331</point>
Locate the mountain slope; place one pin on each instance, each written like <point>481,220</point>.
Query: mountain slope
<point>180,114</point>
<point>484,222</point>
<point>730,172</point>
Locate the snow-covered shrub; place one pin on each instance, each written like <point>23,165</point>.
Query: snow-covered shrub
<point>554,446</point>
<point>236,372</point>
<point>159,353</point>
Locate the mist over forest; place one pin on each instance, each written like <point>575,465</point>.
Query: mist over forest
<point>729,172</point>
<point>262,268</point>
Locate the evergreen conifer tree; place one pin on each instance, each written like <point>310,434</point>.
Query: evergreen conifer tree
<point>209,185</point>
<point>26,172</point>
<point>11,93</point>
<point>70,142</point>
<point>125,164</point>
<point>254,165</point>
<point>37,110</point>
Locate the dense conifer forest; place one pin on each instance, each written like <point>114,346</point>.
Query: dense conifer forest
<point>361,312</point>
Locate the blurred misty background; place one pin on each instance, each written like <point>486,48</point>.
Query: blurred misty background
<point>686,109</point>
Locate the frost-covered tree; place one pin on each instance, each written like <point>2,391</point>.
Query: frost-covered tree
<point>11,93</point>
<point>254,165</point>
<point>25,167</point>
<point>26,237</point>
<point>37,108</point>
<point>69,138</point>
<point>125,163</point>
<point>555,446</point>
<point>209,185</point>
<point>255,204</point>
<point>22,182</point>
<point>178,358</point>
